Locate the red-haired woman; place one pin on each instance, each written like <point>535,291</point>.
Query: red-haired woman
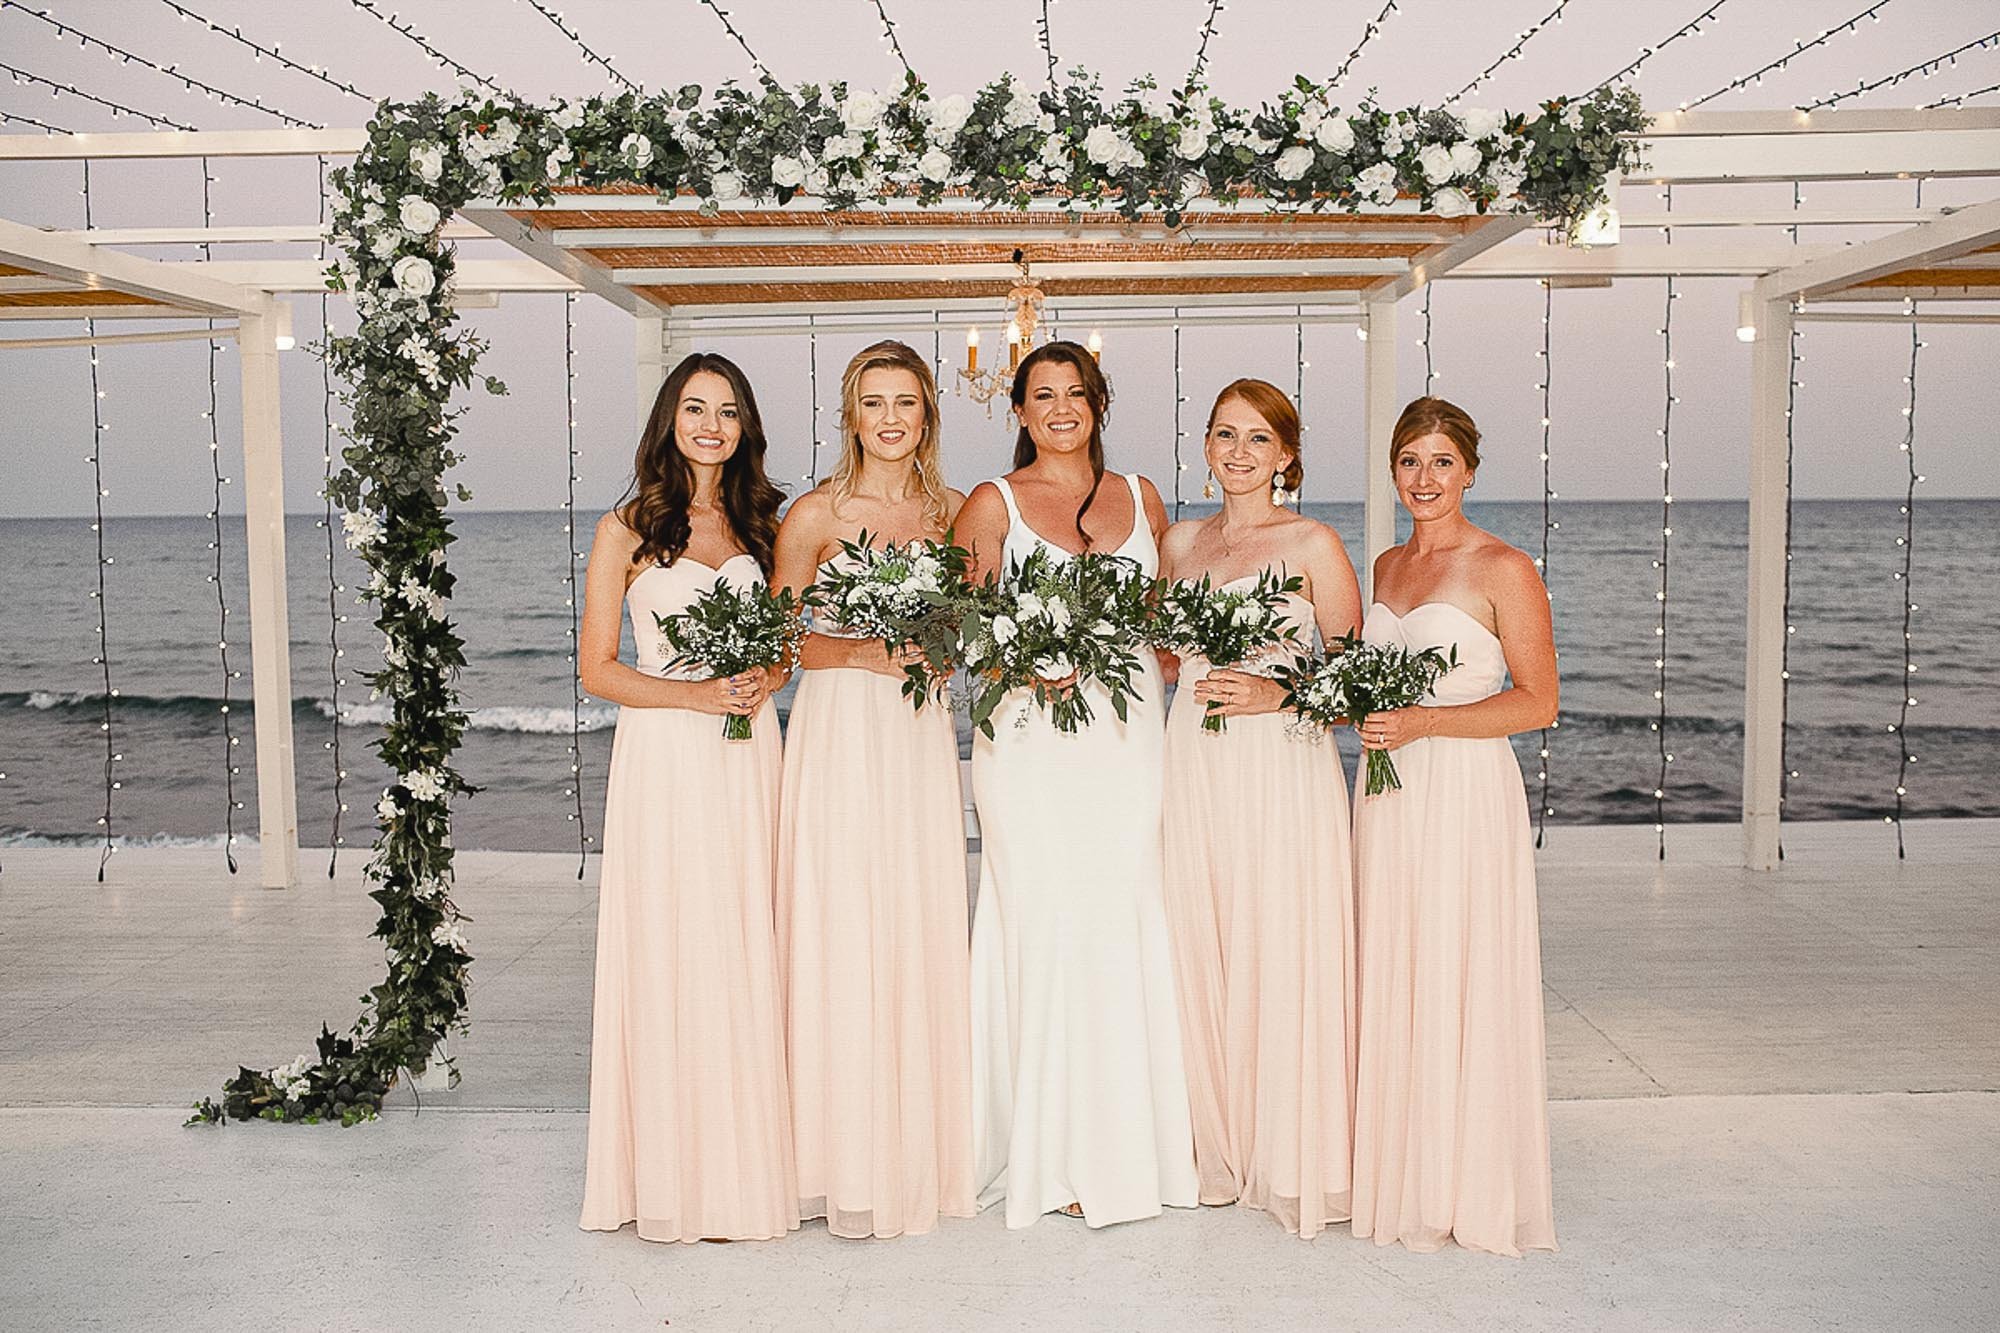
<point>690,1126</point>
<point>1451,1134</point>
<point>1260,890</point>
<point>871,853</point>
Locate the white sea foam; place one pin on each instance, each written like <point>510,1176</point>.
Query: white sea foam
<point>531,720</point>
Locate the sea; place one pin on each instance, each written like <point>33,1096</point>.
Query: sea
<point>185,770</point>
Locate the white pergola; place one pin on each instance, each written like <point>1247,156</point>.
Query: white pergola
<point>684,275</point>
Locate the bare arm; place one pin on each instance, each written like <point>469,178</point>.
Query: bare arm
<point>598,669</point>
<point>1336,593</point>
<point>981,528</point>
<point>1156,510</point>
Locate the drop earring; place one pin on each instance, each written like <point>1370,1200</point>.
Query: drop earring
<point>1208,487</point>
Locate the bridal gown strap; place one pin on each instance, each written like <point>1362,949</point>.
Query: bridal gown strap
<point>690,1124</point>
<point>871,919</point>
<point>1451,1117</point>
<point>1078,1088</point>
<point>1260,900</point>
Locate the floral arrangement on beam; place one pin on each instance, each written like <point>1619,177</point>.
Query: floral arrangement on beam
<point>834,146</point>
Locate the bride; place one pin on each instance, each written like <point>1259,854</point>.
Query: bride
<point>1079,1099</point>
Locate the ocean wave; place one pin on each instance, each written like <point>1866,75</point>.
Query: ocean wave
<point>15,837</point>
<point>523,718</point>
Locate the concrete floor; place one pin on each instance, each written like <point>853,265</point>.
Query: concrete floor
<point>1776,1105</point>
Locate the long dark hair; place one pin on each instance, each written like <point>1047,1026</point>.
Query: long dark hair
<point>1096,389</point>
<point>656,504</point>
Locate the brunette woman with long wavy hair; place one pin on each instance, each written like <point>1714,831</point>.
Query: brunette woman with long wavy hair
<point>690,1124</point>
<point>871,852</point>
<point>1079,1099</point>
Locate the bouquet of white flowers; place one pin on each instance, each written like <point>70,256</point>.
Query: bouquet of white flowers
<point>1362,678</point>
<point>729,629</point>
<point>1050,621</point>
<point>1224,626</point>
<point>908,596</point>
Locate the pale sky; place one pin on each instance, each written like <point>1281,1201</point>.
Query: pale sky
<point>1607,361</point>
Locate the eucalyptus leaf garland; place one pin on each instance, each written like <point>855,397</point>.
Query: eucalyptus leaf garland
<point>840,147</point>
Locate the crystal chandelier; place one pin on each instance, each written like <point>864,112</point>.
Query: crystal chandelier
<point>1024,300</point>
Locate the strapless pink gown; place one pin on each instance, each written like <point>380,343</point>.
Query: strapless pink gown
<point>1451,1136</point>
<point>872,945</point>
<point>690,1126</point>
<point>1260,904</point>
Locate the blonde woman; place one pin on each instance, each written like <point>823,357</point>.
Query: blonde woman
<point>872,935</point>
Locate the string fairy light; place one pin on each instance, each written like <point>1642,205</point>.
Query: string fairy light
<point>1756,76</point>
<point>1513,52</point>
<point>1047,38</point>
<point>1792,386</point>
<point>259,51</point>
<point>1908,543</point>
<point>590,57</point>
<point>38,124</point>
<point>1925,70</point>
<point>812,389</point>
<point>1180,466</point>
<point>1368,32</point>
<point>893,42</point>
<point>98,494</point>
<point>230,769</point>
<point>1660,630</point>
<point>1430,369</point>
<point>57,88</point>
<point>1549,524</point>
<point>437,57</point>
<point>1689,29</point>
<point>84,42</point>
<point>1201,51</point>
<point>575,789</point>
<point>1299,391</point>
<point>1957,99</point>
<point>334,617</point>
<point>763,71</point>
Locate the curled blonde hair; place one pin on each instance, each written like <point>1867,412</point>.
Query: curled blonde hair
<point>890,355</point>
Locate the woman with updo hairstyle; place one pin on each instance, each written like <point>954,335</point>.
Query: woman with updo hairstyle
<point>690,1128</point>
<point>1451,1138</point>
<point>1079,1097</point>
<point>871,913</point>
<point>1259,881</point>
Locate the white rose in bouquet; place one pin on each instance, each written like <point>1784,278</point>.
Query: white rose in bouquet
<point>1435,160</point>
<point>862,110</point>
<point>787,172</point>
<point>726,185</point>
<point>427,160</point>
<point>948,116</point>
<point>414,276</point>
<point>418,214</point>
<point>1466,159</point>
<point>935,165</point>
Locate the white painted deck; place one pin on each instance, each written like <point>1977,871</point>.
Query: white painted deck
<point>1776,1105</point>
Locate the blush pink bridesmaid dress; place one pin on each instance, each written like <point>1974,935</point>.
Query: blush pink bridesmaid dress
<point>873,953</point>
<point>1451,1136</point>
<point>690,1125</point>
<point>1260,903</point>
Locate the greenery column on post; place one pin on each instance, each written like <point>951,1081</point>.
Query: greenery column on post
<point>1144,153</point>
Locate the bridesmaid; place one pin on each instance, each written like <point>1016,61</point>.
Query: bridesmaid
<point>690,1126</point>
<point>871,902</point>
<point>1451,1125</point>
<point>1079,1097</point>
<point>1260,893</point>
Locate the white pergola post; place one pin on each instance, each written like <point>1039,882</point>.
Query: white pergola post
<point>649,359</point>
<point>270,633</point>
<point>1379,408</point>
<point>1770,540</point>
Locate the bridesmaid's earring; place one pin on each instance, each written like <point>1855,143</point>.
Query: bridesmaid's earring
<point>1208,487</point>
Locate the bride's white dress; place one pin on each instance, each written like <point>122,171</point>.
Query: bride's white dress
<point>1078,1092</point>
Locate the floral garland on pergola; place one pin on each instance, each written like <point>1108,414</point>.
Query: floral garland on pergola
<point>839,147</point>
